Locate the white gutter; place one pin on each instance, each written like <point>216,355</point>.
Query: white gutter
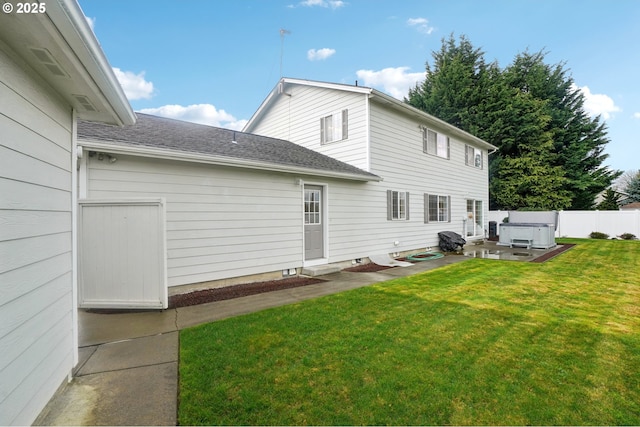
<point>158,153</point>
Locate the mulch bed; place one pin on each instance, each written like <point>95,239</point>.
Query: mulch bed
<point>367,268</point>
<point>243,290</point>
<point>553,253</point>
<point>236,291</point>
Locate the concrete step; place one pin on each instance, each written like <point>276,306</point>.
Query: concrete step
<point>320,270</point>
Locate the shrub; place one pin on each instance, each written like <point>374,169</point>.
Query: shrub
<point>598,235</point>
<point>627,236</point>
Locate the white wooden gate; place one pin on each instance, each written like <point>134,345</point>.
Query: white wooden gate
<point>122,254</point>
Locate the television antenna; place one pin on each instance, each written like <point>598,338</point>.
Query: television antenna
<point>283,33</point>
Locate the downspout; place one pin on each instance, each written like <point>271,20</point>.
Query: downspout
<point>74,240</point>
<point>367,113</point>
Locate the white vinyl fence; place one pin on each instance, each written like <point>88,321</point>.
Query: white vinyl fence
<point>582,223</point>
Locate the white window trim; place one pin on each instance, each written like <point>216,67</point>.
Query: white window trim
<point>403,198</point>
<point>441,152</point>
<point>473,221</point>
<point>470,159</point>
<point>440,197</point>
<point>312,211</point>
<point>325,224</point>
<point>338,129</point>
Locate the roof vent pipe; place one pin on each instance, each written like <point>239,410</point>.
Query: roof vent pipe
<point>233,141</point>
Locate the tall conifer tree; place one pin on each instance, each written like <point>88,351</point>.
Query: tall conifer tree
<point>533,112</point>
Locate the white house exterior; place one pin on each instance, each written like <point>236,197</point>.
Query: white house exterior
<point>437,170</point>
<point>343,173</point>
<point>234,202</point>
<point>52,71</point>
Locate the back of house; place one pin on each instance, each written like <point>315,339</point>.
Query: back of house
<point>434,175</point>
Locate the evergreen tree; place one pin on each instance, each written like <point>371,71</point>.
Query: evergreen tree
<point>533,112</point>
<point>578,140</point>
<point>633,189</point>
<point>611,201</point>
<point>524,176</point>
<point>454,87</point>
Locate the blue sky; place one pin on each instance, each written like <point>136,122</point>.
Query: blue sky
<point>215,61</point>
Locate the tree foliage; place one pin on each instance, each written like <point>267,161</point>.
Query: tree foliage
<point>550,151</point>
<point>633,189</point>
<point>611,201</point>
<point>454,87</point>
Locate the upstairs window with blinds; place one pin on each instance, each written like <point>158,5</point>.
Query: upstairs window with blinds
<point>334,127</point>
<point>435,143</point>
<point>473,156</point>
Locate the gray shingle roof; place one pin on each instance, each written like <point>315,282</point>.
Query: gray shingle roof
<point>175,135</point>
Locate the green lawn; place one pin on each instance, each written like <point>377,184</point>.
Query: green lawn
<point>478,342</point>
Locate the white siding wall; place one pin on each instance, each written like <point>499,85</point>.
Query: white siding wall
<point>357,212</point>
<point>397,155</point>
<point>391,148</point>
<point>296,118</point>
<point>36,280</point>
<point>358,215</point>
<point>221,222</point>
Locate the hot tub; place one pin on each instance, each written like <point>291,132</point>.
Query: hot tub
<point>529,235</point>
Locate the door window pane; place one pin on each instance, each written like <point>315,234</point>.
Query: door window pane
<point>312,207</point>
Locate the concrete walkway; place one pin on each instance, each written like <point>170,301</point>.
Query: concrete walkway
<point>128,368</point>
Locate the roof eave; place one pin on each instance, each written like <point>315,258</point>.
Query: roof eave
<point>115,147</point>
<point>280,89</point>
<point>73,25</point>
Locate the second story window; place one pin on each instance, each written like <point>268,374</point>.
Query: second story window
<point>435,143</point>
<point>334,127</point>
<point>473,156</point>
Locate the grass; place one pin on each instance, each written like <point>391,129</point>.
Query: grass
<point>479,342</point>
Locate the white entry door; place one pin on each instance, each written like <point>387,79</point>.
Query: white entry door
<point>313,222</point>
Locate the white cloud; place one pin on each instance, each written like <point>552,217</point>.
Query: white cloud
<point>134,85</point>
<point>205,114</point>
<point>421,24</point>
<point>395,81</point>
<point>320,54</point>
<point>92,22</point>
<point>597,104</point>
<point>333,4</point>
<point>636,115</point>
